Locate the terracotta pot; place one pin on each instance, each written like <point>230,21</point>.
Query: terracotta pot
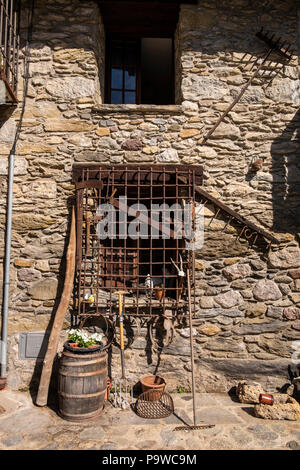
<point>159,294</point>
<point>156,384</point>
<point>266,399</point>
<point>75,348</point>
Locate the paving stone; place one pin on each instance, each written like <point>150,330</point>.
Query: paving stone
<point>12,441</point>
<point>92,433</point>
<point>243,439</point>
<point>222,444</point>
<point>294,445</point>
<point>169,436</point>
<point>216,415</point>
<point>263,432</point>
<point>25,420</point>
<point>51,446</point>
<point>108,446</point>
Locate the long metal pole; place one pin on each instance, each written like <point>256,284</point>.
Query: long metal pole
<point>6,285</point>
<point>11,167</point>
<point>192,345</point>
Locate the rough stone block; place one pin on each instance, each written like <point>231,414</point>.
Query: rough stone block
<point>284,407</point>
<point>248,392</point>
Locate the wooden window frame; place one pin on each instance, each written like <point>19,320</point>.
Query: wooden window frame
<point>108,66</point>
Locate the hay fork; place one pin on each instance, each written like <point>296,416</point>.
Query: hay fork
<point>274,46</point>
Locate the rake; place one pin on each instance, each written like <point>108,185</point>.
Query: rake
<point>193,427</point>
<point>276,46</point>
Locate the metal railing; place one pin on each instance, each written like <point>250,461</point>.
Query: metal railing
<point>9,46</point>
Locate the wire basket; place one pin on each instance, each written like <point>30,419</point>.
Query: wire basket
<point>154,404</point>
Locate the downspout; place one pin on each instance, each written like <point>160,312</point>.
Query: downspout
<point>6,276</point>
<point>11,168</point>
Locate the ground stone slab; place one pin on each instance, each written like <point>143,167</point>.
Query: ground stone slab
<point>284,407</point>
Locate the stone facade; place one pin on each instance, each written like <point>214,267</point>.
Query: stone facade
<point>248,301</point>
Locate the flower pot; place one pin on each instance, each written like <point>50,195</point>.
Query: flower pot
<point>266,399</point>
<point>159,293</point>
<point>156,384</point>
<point>73,347</point>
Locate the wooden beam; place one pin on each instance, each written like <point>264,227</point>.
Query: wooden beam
<point>43,390</point>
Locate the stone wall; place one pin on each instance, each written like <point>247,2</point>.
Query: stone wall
<point>248,302</point>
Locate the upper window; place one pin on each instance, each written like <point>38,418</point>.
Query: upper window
<point>140,70</point>
<point>139,51</point>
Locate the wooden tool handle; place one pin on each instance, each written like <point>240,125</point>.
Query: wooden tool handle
<point>121,322</point>
<point>121,333</point>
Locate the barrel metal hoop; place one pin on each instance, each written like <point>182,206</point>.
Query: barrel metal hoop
<point>81,417</point>
<point>83,374</point>
<point>76,355</point>
<point>74,364</point>
<point>89,395</point>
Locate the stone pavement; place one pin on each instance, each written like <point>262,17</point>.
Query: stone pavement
<point>25,426</point>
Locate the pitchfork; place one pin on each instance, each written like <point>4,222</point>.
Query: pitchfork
<point>274,46</point>
<point>123,392</point>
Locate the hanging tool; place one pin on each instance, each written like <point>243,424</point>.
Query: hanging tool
<point>181,275</point>
<point>121,388</point>
<point>274,46</point>
<point>194,427</point>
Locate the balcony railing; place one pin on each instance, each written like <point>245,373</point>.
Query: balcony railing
<point>9,47</point>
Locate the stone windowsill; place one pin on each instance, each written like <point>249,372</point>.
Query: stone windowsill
<point>138,108</point>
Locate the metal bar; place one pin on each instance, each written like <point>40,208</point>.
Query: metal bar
<point>204,194</point>
<point>9,47</point>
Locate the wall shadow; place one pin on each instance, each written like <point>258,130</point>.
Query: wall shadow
<point>35,379</point>
<point>285,152</point>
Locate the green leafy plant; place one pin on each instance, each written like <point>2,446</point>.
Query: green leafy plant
<point>84,339</point>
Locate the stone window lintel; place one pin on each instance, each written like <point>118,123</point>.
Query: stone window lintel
<point>138,108</point>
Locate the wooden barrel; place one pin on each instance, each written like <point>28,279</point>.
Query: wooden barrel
<point>82,382</point>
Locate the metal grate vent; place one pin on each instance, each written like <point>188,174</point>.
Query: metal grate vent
<point>32,345</point>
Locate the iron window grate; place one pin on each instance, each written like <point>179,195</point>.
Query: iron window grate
<point>105,265</point>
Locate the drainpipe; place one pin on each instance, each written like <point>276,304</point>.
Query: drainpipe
<point>11,167</point>
<point>6,277</point>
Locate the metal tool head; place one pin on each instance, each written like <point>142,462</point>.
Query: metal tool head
<point>268,38</point>
<point>122,394</point>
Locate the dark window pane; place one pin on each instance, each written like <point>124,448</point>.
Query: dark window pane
<point>117,78</point>
<point>116,97</point>
<point>130,55</point>
<point>130,79</point>
<point>129,97</point>
<point>116,56</point>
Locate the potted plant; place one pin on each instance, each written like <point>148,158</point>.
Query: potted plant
<point>82,341</point>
